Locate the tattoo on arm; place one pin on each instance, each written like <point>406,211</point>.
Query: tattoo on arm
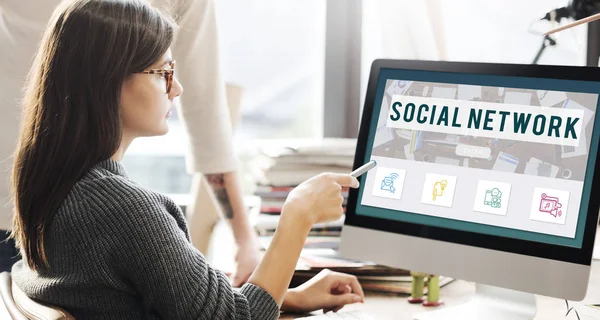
<point>217,182</point>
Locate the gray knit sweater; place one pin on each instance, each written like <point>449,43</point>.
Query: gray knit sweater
<point>119,251</point>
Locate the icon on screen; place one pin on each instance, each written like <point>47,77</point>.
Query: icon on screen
<point>550,205</point>
<point>438,188</point>
<point>387,184</point>
<point>493,198</point>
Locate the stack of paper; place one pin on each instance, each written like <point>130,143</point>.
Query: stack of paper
<point>290,162</point>
<point>281,165</point>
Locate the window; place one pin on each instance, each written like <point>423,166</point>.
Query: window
<point>275,51</point>
<point>464,30</point>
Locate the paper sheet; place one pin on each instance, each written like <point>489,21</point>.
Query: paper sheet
<point>523,98</point>
<point>468,92</point>
<point>444,93</point>
<point>537,167</point>
<point>505,163</point>
<point>383,135</point>
<point>549,98</point>
<point>404,134</point>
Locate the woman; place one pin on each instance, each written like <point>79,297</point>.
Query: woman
<point>96,243</point>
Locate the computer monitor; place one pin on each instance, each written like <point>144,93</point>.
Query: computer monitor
<point>484,173</point>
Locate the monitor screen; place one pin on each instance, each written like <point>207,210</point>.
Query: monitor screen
<point>507,156</point>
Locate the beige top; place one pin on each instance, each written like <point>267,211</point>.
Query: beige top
<point>203,105</point>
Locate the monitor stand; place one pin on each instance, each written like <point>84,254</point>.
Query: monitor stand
<point>489,303</point>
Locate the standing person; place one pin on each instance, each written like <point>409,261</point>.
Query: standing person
<point>203,109</point>
<point>96,243</point>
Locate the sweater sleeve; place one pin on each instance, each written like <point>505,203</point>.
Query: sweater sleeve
<point>151,251</point>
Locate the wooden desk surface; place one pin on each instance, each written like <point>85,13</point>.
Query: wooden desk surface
<point>396,307</point>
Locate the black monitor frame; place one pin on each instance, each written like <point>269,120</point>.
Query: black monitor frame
<point>581,255</point>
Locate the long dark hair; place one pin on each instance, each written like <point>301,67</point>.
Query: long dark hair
<point>70,118</point>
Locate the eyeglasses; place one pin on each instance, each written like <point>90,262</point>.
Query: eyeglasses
<point>167,73</point>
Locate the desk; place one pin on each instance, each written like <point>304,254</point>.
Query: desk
<point>396,307</point>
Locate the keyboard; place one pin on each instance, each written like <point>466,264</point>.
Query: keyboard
<point>347,315</point>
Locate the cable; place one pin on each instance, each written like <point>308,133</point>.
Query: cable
<point>548,41</point>
<point>569,309</point>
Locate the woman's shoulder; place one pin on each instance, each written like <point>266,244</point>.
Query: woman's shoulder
<point>105,190</point>
<point>105,208</point>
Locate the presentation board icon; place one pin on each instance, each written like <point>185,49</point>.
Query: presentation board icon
<point>549,205</point>
<point>388,182</point>
<point>492,197</point>
<point>438,190</point>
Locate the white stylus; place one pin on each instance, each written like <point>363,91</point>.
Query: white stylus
<point>364,168</point>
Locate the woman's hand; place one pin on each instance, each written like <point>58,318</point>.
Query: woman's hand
<point>327,290</point>
<point>319,199</point>
<point>247,259</point>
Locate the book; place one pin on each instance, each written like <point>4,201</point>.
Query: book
<point>402,287</point>
<point>396,287</point>
<point>265,224</point>
<point>280,191</point>
<point>315,147</point>
<point>314,262</point>
<point>290,162</point>
<point>312,242</point>
<point>320,160</point>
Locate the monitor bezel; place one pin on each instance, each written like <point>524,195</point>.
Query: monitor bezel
<point>581,255</point>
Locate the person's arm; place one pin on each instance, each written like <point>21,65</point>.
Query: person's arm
<point>148,240</point>
<point>228,192</point>
<point>316,200</point>
<point>203,107</point>
<point>206,115</point>
<point>150,248</point>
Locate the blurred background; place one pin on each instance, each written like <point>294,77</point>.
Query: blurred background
<point>307,77</point>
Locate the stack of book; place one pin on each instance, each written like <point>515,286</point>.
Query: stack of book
<point>376,278</point>
<point>284,164</point>
<point>322,253</point>
<point>287,163</point>
<point>265,225</point>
